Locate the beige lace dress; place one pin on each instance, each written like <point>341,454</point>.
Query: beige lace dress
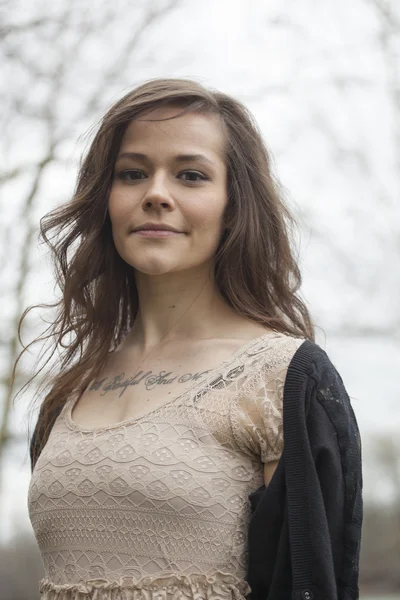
<point>156,508</point>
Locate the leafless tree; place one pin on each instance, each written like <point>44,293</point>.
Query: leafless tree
<point>360,249</point>
<point>61,64</point>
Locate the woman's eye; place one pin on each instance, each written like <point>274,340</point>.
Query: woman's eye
<point>195,174</point>
<point>129,175</point>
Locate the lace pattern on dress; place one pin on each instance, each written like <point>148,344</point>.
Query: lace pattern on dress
<point>159,500</point>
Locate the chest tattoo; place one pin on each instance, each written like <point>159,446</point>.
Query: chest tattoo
<point>149,379</point>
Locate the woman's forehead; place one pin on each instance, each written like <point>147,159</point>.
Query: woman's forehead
<point>188,132</point>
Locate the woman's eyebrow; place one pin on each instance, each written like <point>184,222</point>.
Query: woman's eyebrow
<point>178,158</point>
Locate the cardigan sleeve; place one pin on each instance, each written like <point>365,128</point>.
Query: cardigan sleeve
<point>338,463</point>
<point>324,481</point>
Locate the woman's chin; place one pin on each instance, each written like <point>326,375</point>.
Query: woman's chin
<point>155,268</point>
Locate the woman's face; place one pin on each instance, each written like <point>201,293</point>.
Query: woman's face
<point>171,173</point>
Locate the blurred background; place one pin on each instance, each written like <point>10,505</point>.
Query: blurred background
<point>323,81</point>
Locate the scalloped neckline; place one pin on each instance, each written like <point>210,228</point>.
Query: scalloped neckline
<point>69,406</point>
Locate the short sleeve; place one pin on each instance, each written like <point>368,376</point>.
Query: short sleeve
<point>256,412</point>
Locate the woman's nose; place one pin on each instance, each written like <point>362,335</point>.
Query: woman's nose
<point>158,189</point>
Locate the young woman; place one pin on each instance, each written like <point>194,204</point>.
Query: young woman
<point>178,324</point>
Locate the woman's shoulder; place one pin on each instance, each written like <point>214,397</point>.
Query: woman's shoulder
<point>279,358</point>
<point>279,348</point>
<point>314,361</point>
<point>314,383</point>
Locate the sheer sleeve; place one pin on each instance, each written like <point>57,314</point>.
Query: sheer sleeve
<point>257,411</point>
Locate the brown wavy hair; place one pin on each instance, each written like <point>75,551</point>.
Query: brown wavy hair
<point>255,267</point>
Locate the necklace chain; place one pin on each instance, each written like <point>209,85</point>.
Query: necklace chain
<point>171,327</point>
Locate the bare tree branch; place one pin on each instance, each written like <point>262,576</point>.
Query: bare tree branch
<point>65,35</point>
<point>23,268</point>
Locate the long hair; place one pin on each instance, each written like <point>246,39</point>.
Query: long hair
<point>255,268</point>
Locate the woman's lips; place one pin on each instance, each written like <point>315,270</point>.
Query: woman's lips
<point>158,233</point>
